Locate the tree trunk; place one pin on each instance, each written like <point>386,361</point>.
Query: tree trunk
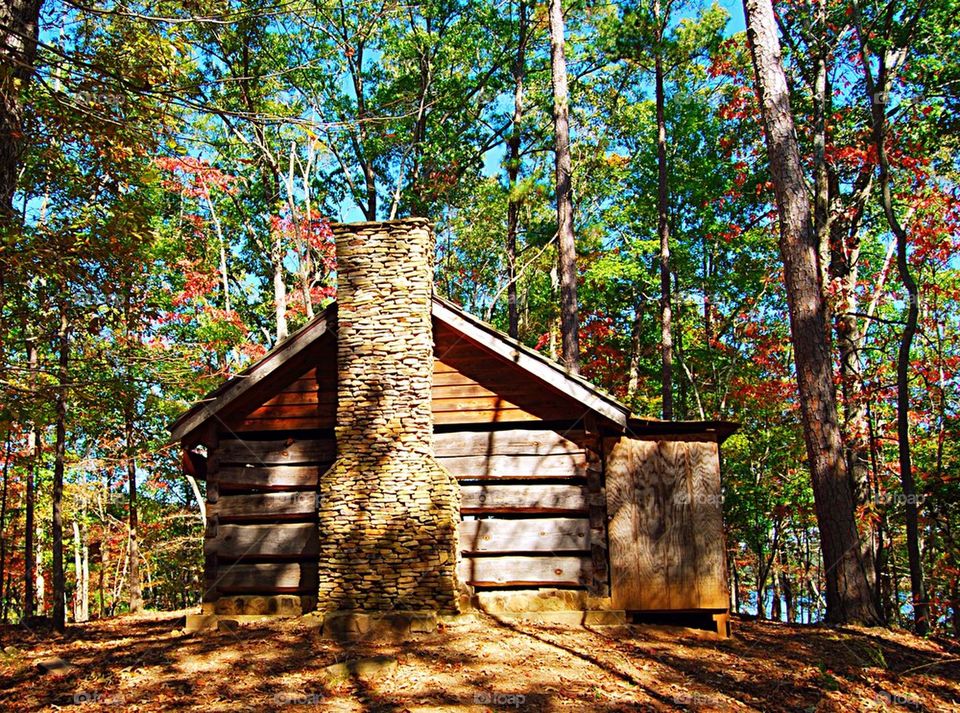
<point>19,28</point>
<point>60,454</point>
<point>788,599</point>
<point>279,290</point>
<point>877,92</point>
<point>133,548</point>
<point>129,423</point>
<point>3,518</point>
<point>917,589</point>
<point>33,445</point>
<point>849,595</point>
<point>663,231</point>
<point>79,594</point>
<point>569,319</point>
<point>513,170</point>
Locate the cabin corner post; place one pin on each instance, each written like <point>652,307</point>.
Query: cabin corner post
<point>388,511</point>
<point>210,563</point>
<point>599,584</point>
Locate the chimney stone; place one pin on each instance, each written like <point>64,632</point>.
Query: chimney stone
<point>388,511</point>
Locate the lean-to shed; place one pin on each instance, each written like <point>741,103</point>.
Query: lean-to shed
<point>397,453</point>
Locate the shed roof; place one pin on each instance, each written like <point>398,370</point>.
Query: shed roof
<point>536,365</point>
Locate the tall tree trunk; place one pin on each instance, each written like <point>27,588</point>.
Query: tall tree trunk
<point>917,589</point>
<point>129,429</point>
<point>60,454</point>
<point>513,169</point>
<point>19,29</point>
<point>3,517</point>
<point>34,446</point>
<point>78,568</point>
<point>569,318</point>
<point>663,228</point>
<point>877,92</point>
<point>849,595</point>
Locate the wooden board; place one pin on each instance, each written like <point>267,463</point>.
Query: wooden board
<point>278,452</point>
<point>531,535</point>
<point>665,525</point>
<point>279,578</point>
<point>707,510</point>
<point>264,506</point>
<point>533,466</point>
<point>279,477</point>
<point>286,540</point>
<point>533,571</point>
<point>507,442</point>
<point>546,499</point>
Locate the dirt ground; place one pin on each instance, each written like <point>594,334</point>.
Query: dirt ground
<point>148,664</point>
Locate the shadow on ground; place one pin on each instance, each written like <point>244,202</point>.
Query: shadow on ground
<point>148,664</point>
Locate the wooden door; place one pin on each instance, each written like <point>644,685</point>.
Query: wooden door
<point>665,525</point>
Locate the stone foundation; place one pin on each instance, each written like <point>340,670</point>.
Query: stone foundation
<point>388,512</point>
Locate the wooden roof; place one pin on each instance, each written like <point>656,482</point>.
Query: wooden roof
<point>295,351</point>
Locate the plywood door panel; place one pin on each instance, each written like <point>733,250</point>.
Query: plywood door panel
<point>638,576</point>
<point>707,512</point>
<point>665,529</point>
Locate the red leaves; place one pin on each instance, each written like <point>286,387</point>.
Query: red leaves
<point>194,177</point>
<point>198,282</point>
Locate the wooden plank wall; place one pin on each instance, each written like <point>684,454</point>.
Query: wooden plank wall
<point>262,515</point>
<point>529,494</point>
<point>665,526</point>
<point>525,506</point>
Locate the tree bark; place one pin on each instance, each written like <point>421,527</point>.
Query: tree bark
<point>19,28</point>
<point>911,508</point>
<point>569,319</point>
<point>60,454</point>
<point>3,519</point>
<point>513,170</point>
<point>129,423</point>
<point>34,446</point>
<point>663,226</point>
<point>849,595</point>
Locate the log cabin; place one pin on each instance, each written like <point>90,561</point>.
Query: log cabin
<point>397,453</point>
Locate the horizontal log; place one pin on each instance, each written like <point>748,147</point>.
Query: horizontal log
<point>281,578</point>
<point>287,540</point>
<point>281,425</point>
<point>508,442</point>
<point>534,535</point>
<point>523,498</point>
<point>514,571</point>
<point>279,477</point>
<point>285,410</point>
<point>293,398</point>
<point>277,452</point>
<point>460,390</point>
<point>265,505</point>
<point>532,466</point>
<point>484,416</point>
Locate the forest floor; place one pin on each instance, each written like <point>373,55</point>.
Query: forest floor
<point>148,664</point>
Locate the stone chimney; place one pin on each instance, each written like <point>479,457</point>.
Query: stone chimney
<point>388,511</point>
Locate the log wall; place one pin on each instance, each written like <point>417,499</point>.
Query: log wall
<point>529,492</point>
